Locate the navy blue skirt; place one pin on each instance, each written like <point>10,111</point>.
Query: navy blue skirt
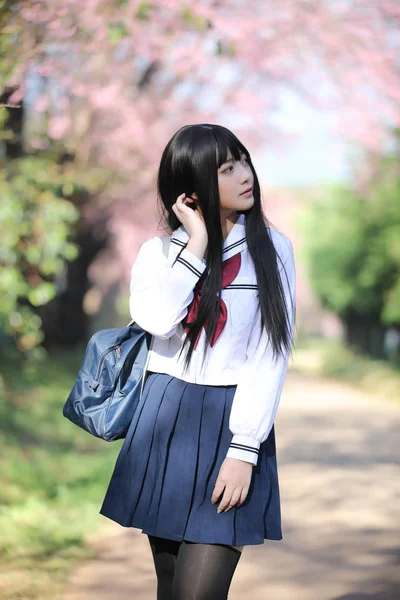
<point>168,464</point>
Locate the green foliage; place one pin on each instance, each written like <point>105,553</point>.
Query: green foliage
<point>144,10</point>
<point>117,31</point>
<point>352,248</point>
<point>12,29</point>
<point>198,22</point>
<point>36,220</point>
<point>53,476</point>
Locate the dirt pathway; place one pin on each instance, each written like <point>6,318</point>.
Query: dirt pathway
<point>338,463</point>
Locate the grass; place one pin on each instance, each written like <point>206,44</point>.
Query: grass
<point>53,478</point>
<point>332,359</point>
<point>54,475</point>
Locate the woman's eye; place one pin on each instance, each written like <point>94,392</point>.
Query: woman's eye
<point>231,167</point>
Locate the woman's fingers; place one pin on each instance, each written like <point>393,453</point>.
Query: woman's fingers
<point>177,206</point>
<point>181,205</point>
<point>218,489</point>
<point>234,498</point>
<point>181,200</point>
<point>233,479</point>
<point>191,219</point>
<point>243,496</point>
<point>229,499</point>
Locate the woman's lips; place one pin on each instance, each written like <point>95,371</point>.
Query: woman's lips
<point>248,193</point>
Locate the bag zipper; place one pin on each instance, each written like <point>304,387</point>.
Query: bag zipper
<point>103,356</point>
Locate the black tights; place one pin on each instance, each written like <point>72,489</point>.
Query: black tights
<point>190,571</point>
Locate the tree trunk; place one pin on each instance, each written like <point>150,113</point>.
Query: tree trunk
<point>65,323</point>
<point>365,335</point>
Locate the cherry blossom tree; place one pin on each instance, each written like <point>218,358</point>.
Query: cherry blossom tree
<point>111,80</point>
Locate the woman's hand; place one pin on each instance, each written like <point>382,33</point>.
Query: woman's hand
<point>234,476</point>
<point>191,219</point>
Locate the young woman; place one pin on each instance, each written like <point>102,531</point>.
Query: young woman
<point>197,471</point>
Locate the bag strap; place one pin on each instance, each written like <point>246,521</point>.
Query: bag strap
<point>165,240</point>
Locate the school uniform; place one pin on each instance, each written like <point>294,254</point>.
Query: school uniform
<point>187,423</point>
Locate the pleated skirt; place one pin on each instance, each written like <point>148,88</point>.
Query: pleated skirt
<point>168,465</point>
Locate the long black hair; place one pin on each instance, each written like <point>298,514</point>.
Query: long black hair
<point>189,164</point>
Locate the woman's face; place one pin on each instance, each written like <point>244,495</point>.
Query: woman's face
<point>234,177</point>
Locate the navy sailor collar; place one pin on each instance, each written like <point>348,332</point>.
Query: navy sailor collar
<point>235,241</point>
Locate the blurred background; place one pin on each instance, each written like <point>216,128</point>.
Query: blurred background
<point>90,93</point>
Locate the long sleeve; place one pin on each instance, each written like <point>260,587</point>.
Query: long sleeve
<point>261,378</point>
<point>159,293</point>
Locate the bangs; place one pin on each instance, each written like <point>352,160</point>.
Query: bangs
<point>228,145</point>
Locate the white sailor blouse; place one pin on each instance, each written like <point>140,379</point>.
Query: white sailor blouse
<point>162,292</point>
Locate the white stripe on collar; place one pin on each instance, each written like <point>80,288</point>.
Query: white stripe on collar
<point>234,243</point>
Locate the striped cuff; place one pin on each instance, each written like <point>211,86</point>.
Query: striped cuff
<point>191,263</point>
<point>244,448</point>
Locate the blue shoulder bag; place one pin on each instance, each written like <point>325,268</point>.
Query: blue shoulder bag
<point>110,382</point>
